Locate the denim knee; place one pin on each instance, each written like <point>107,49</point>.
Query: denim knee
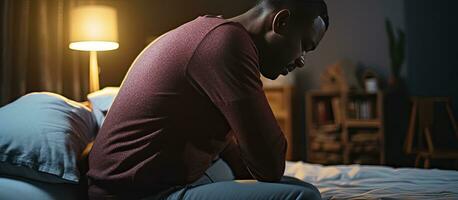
<point>306,193</point>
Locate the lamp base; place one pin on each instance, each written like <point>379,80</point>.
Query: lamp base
<point>93,72</point>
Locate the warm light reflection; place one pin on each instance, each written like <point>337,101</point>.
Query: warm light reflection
<point>94,46</point>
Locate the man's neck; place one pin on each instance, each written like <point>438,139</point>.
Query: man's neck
<point>254,22</point>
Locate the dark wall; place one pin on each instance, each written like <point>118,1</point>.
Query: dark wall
<point>433,61</point>
<point>432,48</point>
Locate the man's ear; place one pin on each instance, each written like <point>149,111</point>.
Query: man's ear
<point>281,21</point>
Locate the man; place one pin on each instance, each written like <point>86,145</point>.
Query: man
<point>195,95</point>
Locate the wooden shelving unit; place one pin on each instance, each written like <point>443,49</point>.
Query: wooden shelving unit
<point>345,127</point>
<point>279,98</point>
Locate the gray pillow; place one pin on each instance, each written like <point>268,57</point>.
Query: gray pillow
<point>42,135</point>
<point>101,102</point>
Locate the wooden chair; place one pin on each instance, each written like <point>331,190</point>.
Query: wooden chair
<point>423,109</point>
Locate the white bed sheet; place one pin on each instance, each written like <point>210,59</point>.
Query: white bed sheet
<point>376,182</point>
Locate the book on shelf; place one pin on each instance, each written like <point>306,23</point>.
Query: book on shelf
<point>360,109</point>
<point>320,112</point>
<point>315,146</point>
<point>332,146</point>
<point>336,110</point>
<point>328,128</point>
<point>323,112</point>
<point>365,137</point>
<point>345,128</point>
<point>328,111</point>
<point>326,137</point>
<point>329,146</point>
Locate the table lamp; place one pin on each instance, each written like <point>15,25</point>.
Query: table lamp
<point>93,28</point>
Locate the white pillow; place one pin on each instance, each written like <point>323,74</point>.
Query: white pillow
<point>42,135</point>
<point>101,102</point>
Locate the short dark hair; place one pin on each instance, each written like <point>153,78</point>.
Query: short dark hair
<point>318,5</point>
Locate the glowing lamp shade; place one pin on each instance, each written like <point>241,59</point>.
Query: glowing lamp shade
<point>93,28</point>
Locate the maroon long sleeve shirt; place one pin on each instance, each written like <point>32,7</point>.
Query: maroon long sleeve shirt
<point>183,100</point>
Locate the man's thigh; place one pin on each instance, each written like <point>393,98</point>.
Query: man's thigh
<point>288,188</point>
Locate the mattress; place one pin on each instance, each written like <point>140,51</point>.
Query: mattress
<point>19,188</point>
<point>376,182</point>
<point>334,182</point>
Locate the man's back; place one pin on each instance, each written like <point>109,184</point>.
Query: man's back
<point>173,113</point>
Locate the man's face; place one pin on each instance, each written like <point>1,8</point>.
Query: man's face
<point>283,54</point>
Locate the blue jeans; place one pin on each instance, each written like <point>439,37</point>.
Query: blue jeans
<point>218,183</point>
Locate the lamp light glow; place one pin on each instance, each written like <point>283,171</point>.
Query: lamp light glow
<point>94,46</point>
<point>93,28</point>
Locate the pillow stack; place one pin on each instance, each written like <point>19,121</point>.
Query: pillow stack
<point>42,136</point>
<point>101,102</point>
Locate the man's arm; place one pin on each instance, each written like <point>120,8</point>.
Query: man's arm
<point>262,144</point>
<point>231,155</point>
<point>225,68</point>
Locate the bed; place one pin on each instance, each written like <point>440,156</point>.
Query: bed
<point>376,182</point>
<point>12,188</point>
<point>22,180</point>
<point>334,182</point>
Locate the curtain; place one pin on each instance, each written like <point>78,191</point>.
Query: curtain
<point>34,50</point>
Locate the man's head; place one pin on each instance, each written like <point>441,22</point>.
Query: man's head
<point>291,28</point>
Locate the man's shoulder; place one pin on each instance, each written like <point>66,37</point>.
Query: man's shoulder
<point>232,32</point>
<point>232,36</point>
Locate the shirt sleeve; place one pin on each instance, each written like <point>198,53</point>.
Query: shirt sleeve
<point>225,68</point>
<point>231,155</point>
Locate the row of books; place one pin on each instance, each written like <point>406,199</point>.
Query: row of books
<point>326,136</point>
<point>331,142</point>
<point>361,109</point>
<point>365,142</point>
<point>365,137</point>
<point>327,111</point>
